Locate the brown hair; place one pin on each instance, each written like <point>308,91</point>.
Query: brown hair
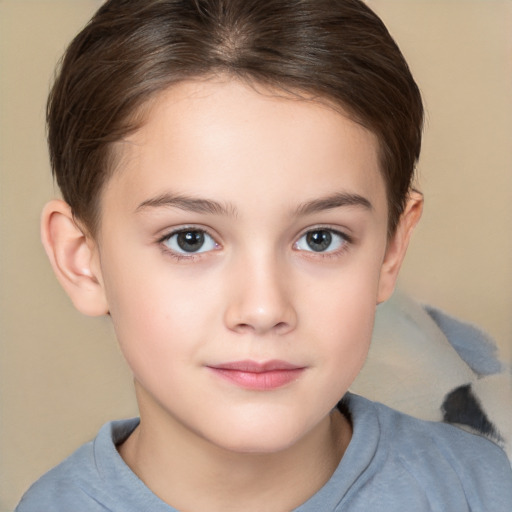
<point>131,49</point>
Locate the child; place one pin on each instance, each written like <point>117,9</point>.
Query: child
<point>237,197</point>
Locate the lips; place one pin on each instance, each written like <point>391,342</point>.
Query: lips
<point>259,376</point>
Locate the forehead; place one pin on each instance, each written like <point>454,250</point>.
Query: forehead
<point>223,137</point>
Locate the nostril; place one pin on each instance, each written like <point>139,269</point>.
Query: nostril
<point>281,326</point>
<point>260,308</point>
<point>241,327</point>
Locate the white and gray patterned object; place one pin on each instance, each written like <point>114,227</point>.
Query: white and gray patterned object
<point>428,364</point>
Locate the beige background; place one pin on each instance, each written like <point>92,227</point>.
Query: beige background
<point>61,375</point>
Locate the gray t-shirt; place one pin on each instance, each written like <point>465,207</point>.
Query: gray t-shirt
<point>393,463</point>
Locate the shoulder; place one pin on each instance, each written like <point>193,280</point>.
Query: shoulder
<point>438,460</point>
<point>66,484</point>
<point>79,483</point>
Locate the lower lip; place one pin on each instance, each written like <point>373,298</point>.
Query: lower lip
<point>259,381</point>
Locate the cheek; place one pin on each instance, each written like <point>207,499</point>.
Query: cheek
<point>342,315</point>
<point>347,332</point>
<point>158,315</point>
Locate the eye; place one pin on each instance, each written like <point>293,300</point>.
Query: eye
<point>189,241</point>
<point>321,240</point>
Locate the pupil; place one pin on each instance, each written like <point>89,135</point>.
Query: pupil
<point>319,240</point>
<point>190,241</point>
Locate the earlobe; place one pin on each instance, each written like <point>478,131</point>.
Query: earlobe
<point>74,258</point>
<point>397,246</point>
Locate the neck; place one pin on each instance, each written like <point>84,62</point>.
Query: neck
<point>175,464</point>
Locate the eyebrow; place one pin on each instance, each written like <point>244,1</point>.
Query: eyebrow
<point>187,203</point>
<point>200,205</point>
<point>332,201</point>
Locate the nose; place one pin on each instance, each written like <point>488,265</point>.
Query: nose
<point>260,298</point>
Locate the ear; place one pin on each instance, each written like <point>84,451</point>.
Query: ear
<point>397,245</point>
<point>74,258</point>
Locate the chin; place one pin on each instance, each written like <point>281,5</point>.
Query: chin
<point>258,444</point>
<point>261,437</point>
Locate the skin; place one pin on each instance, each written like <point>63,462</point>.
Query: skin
<point>267,170</point>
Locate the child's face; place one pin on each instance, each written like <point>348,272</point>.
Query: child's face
<point>244,229</point>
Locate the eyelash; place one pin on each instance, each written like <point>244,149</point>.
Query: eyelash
<point>347,241</point>
<point>181,256</point>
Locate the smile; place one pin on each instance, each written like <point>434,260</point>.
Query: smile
<point>258,376</point>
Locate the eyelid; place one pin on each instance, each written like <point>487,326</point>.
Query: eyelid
<point>181,229</point>
<point>169,231</point>
<point>347,241</point>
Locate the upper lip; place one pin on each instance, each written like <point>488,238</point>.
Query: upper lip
<point>256,367</point>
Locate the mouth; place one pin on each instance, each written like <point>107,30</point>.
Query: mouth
<point>258,376</point>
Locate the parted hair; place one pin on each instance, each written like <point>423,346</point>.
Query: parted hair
<point>336,50</point>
